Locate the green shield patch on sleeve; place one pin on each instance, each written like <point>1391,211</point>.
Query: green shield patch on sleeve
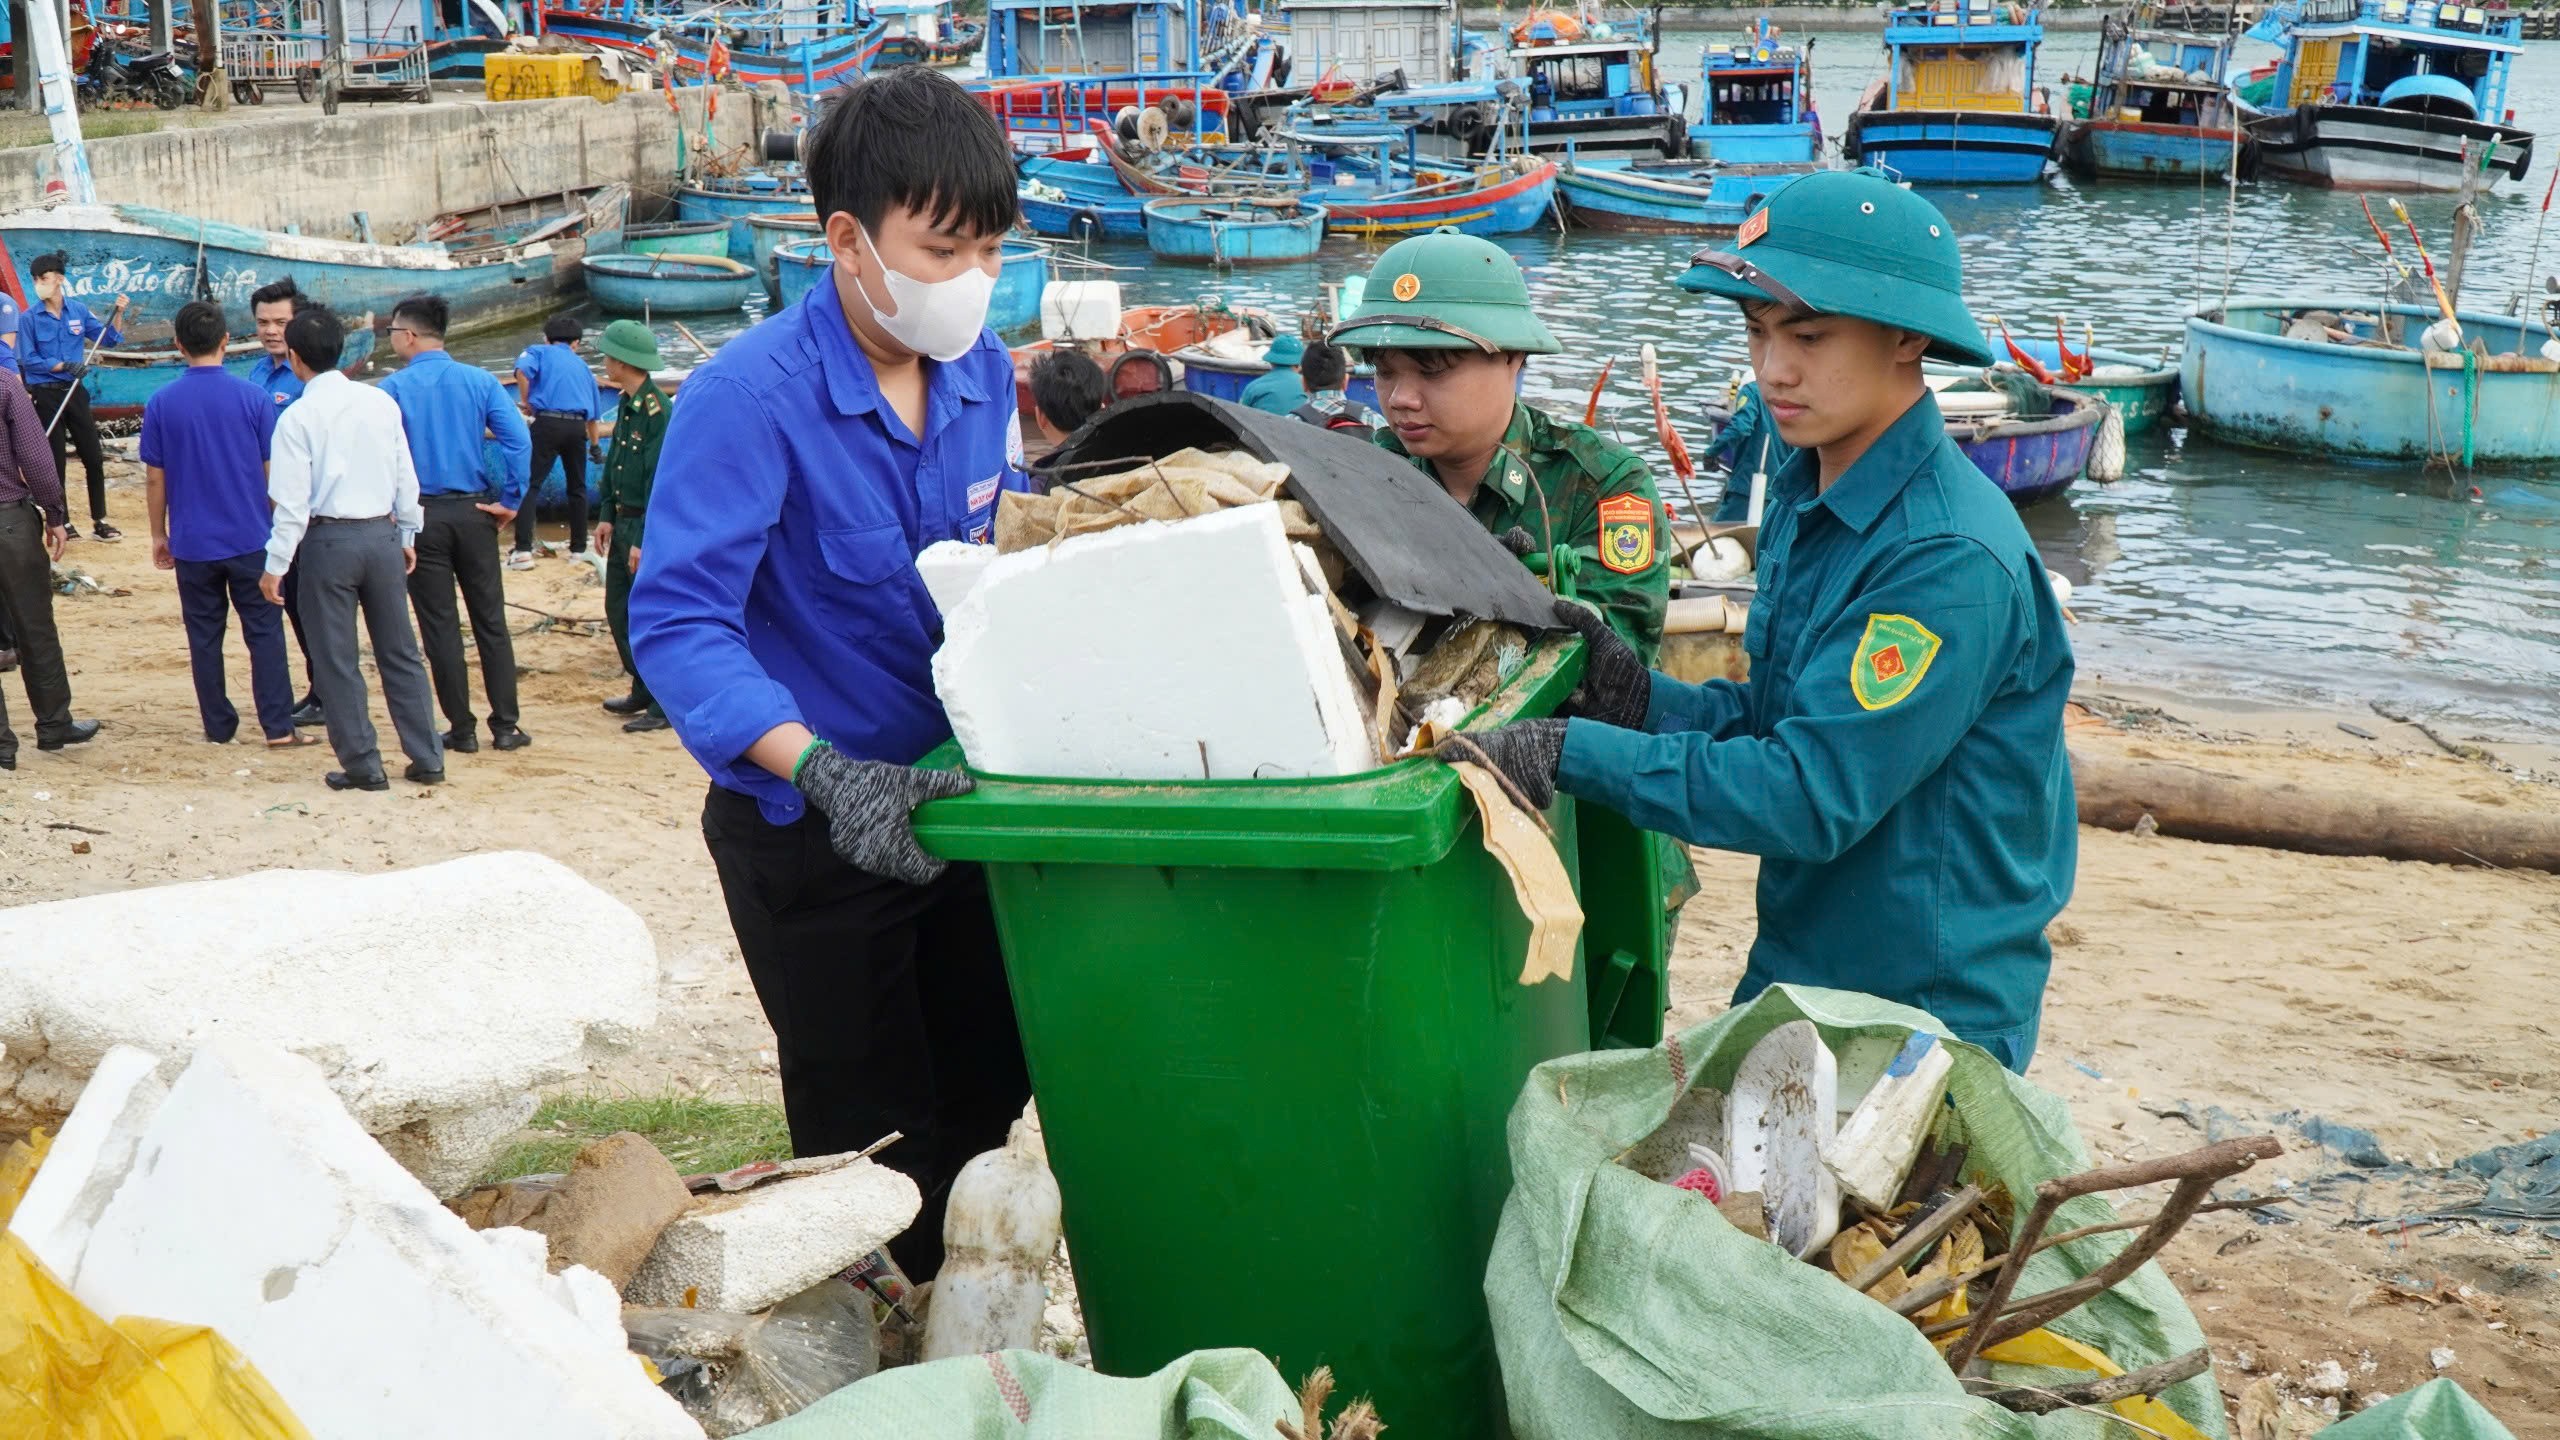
<point>1892,656</point>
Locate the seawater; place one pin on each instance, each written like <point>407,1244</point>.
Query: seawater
<point>2208,568</point>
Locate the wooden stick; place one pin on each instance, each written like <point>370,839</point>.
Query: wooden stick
<point>2106,1390</point>
<point>1922,1233</point>
<point>1912,1302</point>
<point>690,338</point>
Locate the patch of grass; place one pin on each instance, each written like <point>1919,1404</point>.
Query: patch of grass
<point>698,1134</point>
<point>24,129</point>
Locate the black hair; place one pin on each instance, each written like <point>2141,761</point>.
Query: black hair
<point>275,290</point>
<point>199,327</point>
<point>1323,367</point>
<point>316,338</point>
<point>911,137</point>
<point>1068,387</point>
<point>52,262</point>
<point>426,314</point>
<point>561,329</point>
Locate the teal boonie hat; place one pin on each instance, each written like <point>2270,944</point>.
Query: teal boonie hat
<point>1851,242</point>
<point>632,343</point>
<point>1446,291</point>
<point>1285,351</point>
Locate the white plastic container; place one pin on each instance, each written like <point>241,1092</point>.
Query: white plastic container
<point>1777,1119</point>
<point>1080,310</point>
<point>997,1237</point>
<point>1875,1147</point>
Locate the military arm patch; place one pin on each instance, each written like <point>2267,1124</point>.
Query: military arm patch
<point>1892,656</point>
<point>1626,533</point>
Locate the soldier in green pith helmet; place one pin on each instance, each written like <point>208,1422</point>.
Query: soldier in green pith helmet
<point>639,424</point>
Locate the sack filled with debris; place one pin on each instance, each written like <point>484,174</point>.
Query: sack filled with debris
<point>1206,1395</point>
<point>1625,1306</point>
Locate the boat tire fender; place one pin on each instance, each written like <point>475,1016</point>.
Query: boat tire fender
<point>1084,225</point>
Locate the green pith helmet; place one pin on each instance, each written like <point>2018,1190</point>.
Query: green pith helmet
<point>1286,351</point>
<point>1446,291</point>
<point>1851,242</point>
<point>632,343</point>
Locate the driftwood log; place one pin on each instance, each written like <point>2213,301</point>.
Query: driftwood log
<point>2196,804</point>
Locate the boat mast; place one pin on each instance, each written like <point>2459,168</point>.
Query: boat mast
<point>71,183</point>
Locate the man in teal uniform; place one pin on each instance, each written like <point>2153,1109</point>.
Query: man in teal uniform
<point>1896,757</point>
<point>1278,390</point>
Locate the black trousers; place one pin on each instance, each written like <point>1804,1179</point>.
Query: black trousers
<point>78,430</point>
<point>459,548</point>
<point>209,591</point>
<point>888,1004</point>
<point>26,599</point>
<point>566,442</point>
<point>301,641</point>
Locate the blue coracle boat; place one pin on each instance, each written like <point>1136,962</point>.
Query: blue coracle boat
<point>2033,458</point>
<point>801,264</point>
<point>1234,230</point>
<point>2273,373</point>
<point>734,198</point>
<point>668,284</point>
<point>1065,217</point>
<point>798,265</point>
<point>765,234</point>
<point>1758,106</point>
<point>121,381</point>
<point>1958,104</point>
<point>492,266</point>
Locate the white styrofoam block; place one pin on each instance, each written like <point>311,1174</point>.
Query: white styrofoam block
<point>254,1205</point>
<point>1152,652</point>
<point>951,569</point>
<point>422,1019</point>
<point>89,1158</point>
<point>1079,310</point>
<point>592,1298</point>
<point>759,1247</point>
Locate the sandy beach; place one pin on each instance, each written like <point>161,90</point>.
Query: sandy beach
<point>2415,1001</point>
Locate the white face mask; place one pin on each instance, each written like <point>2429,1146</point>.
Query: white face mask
<point>940,318</point>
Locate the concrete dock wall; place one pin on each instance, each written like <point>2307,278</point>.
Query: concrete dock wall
<point>399,164</point>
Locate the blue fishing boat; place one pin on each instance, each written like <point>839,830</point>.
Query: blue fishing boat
<point>2033,457</point>
<point>809,48</point>
<point>1584,86</point>
<point>1057,68</point>
<point>120,381</point>
<point>699,237</point>
<point>927,32</point>
<point>766,233</point>
<point>1051,212</point>
<point>1366,188</point>
<point>2384,94</point>
<point>2322,375</point>
<point>493,265</point>
<point>668,284</point>
<point>798,265</point>
<point>731,199</point>
<point>1669,197</point>
<point>1757,106</point>
<point>2159,109</point>
<point>1958,104</point>
<point>1234,230</point>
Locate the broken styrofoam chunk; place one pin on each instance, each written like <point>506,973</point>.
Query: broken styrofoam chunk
<point>89,1157</point>
<point>1181,651</point>
<point>435,1034</point>
<point>254,1205</point>
<point>951,569</point>
<point>1873,1151</point>
<point>745,1251</point>
<point>1777,1117</point>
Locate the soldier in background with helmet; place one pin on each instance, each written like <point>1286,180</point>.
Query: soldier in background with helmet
<point>622,497</point>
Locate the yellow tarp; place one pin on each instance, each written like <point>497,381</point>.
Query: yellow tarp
<point>546,77</point>
<point>68,1375</point>
<point>2061,1352</point>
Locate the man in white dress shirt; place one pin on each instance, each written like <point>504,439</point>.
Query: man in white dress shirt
<point>346,503</point>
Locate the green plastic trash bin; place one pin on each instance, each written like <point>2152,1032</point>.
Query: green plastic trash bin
<point>1276,1030</point>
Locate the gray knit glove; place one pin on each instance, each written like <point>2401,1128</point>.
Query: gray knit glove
<point>1526,754</point>
<point>1616,687</point>
<point>870,805</point>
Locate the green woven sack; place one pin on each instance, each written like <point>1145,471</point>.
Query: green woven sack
<point>1626,1309</point>
<point>1021,1395</point>
<point>2437,1410</point>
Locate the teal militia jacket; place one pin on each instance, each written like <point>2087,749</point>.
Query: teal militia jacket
<point>1896,757</point>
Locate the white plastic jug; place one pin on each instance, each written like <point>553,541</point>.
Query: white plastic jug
<point>997,1237</point>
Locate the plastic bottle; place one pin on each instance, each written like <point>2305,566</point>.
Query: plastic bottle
<point>997,1237</point>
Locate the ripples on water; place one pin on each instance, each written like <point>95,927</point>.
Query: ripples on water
<point>2305,580</point>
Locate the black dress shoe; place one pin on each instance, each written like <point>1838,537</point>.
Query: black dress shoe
<point>104,531</point>
<point>80,733</point>
<point>644,724</point>
<point>461,742</point>
<point>341,780</point>
<point>9,662</point>
<point>423,774</point>
<point>309,713</point>
<point>8,760</point>
<point>627,705</point>
<point>510,738</point>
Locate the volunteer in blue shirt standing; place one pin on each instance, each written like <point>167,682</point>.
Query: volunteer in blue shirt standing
<point>273,306</point>
<point>780,621</point>
<point>561,392</point>
<point>204,453</point>
<point>56,339</point>
<point>447,407</point>
<point>1896,758</point>
<point>9,336</point>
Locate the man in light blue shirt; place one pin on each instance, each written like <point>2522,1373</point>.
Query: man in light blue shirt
<point>9,335</point>
<point>561,392</point>
<point>446,407</point>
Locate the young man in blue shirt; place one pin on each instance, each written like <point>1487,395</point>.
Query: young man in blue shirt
<point>780,622</point>
<point>273,306</point>
<point>9,337</point>
<point>446,407</point>
<point>204,456</point>
<point>561,392</point>
<point>56,338</point>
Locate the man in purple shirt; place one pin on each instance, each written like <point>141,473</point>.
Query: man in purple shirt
<point>204,455</point>
<point>32,529</point>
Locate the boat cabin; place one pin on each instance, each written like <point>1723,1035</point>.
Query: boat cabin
<point>1573,69</point>
<point>1132,38</point>
<point>1360,41</point>
<point>2161,77</point>
<point>2413,55</point>
<point>1758,103</point>
<point>1971,55</point>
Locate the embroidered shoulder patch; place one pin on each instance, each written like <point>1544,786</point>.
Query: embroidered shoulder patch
<point>1892,656</point>
<point>1626,533</point>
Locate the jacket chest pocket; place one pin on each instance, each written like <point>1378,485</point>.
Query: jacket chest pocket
<point>869,583</point>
